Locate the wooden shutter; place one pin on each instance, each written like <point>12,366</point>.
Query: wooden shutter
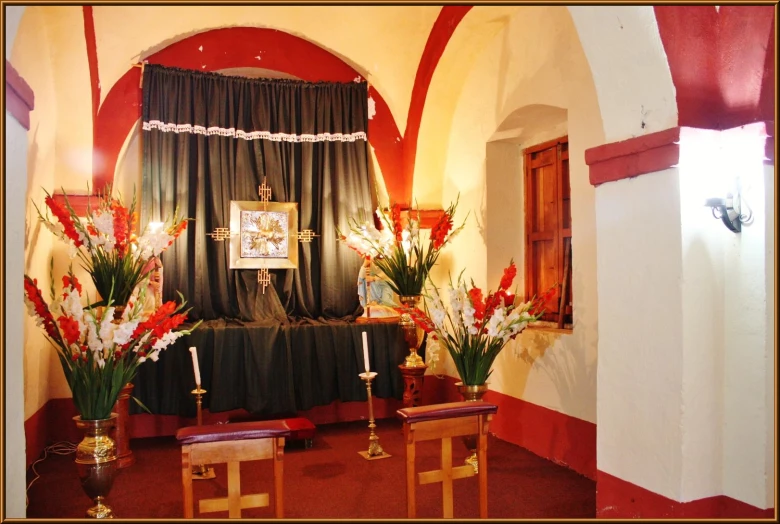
<point>547,222</point>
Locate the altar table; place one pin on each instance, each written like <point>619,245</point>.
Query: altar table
<point>271,368</point>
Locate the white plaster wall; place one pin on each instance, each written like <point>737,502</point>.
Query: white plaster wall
<point>31,57</point>
<point>70,71</point>
<point>15,175</point>
<point>640,344</point>
<point>629,68</point>
<point>466,45</point>
<point>770,210</point>
<point>535,59</point>
<point>703,318</point>
<point>746,409</point>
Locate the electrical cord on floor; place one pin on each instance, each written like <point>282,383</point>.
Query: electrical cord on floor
<point>58,448</point>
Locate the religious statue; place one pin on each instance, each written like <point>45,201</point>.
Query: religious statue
<point>153,298</point>
<point>376,297</point>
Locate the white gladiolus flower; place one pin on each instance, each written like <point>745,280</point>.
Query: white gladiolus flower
<point>154,355</point>
<point>93,340</point>
<point>107,329</point>
<point>73,251</point>
<point>124,331</point>
<point>166,340</point>
<point>104,223</point>
<point>438,316</point>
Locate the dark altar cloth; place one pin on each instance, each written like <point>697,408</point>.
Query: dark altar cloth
<point>271,367</point>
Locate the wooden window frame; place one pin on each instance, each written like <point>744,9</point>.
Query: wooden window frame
<point>561,235</point>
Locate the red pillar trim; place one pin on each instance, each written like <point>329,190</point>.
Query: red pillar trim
<point>94,75</point>
<point>226,48</point>
<point>635,156</point>
<point>617,498</point>
<point>79,203</point>
<point>441,32</point>
<point>428,217</point>
<point>656,152</point>
<point>19,97</point>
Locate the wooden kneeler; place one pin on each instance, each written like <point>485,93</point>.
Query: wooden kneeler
<point>233,444</point>
<point>444,421</point>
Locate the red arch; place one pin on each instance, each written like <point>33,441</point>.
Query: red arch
<point>240,47</point>
<point>721,61</point>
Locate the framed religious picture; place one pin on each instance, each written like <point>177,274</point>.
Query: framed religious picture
<point>267,235</point>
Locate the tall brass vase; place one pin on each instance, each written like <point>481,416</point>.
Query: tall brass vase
<point>96,463</point>
<point>472,394</point>
<point>412,336</point>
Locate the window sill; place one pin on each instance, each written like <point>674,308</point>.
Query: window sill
<point>551,327</point>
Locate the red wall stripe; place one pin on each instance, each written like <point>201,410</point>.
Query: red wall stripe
<point>616,498</point>
<point>553,435</point>
<point>441,32</point>
<point>94,75</point>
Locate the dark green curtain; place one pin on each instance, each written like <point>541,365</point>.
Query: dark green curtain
<point>209,139</point>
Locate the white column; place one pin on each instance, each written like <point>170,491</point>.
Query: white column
<point>16,190</point>
<point>639,391</point>
<point>686,336</point>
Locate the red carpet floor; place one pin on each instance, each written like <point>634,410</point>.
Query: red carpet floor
<point>328,481</point>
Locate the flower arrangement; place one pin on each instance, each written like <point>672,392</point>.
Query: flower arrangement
<point>398,249</point>
<point>476,328</point>
<point>98,352</point>
<point>106,243</point>
<point>101,345</point>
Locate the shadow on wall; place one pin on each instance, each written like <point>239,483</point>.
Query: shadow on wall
<point>32,226</point>
<point>574,378</point>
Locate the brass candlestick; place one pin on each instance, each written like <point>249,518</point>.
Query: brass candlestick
<point>375,451</point>
<point>201,471</point>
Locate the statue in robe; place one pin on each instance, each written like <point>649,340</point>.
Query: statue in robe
<point>376,297</point>
<point>153,298</point>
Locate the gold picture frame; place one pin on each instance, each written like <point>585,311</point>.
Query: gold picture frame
<point>267,235</point>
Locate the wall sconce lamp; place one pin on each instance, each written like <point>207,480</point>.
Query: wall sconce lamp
<point>729,210</point>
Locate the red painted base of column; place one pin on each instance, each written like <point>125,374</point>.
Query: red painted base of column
<point>616,498</point>
<point>558,437</point>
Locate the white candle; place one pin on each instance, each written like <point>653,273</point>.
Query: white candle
<point>365,350</point>
<point>194,353</point>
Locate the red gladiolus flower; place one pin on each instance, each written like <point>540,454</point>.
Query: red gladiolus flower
<point>475,294</point>
<point>34,295</point>
<point>395,214</point>
<point>70,328</point>
<point>63,215</point>
<point>441,230</point>
<point>509,276</point>
<point>121,225</point>
<point>156,318</point>
<point>509,299</point>
<point>178,231</point>
<point>67,281</point>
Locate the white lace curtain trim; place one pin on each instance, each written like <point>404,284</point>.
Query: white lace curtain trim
<point>253,135</point>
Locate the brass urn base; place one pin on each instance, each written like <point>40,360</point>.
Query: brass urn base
<point>471,394</point>
<point>96,463</point>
